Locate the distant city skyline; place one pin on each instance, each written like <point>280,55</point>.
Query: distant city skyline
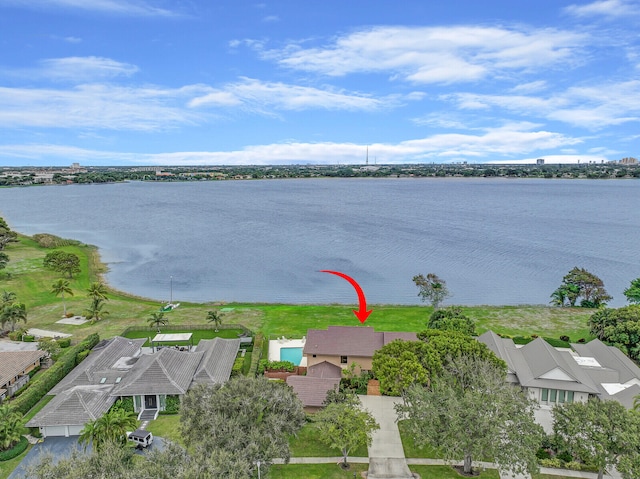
<point>165,82</point>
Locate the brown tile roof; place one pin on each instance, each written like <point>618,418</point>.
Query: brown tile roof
<point>350,340</point>
<point>312,391</point>
<point>13,363</point>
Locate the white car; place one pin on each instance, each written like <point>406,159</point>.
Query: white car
<point>140,438</point>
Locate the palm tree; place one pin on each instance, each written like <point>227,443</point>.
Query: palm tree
<point>13,313</point>
<point>8,297</point>
<point>157,320</point>
<point>95,311</point>
<point>98,291</point>
<point>11,423</point>
<point>214,317</point>
<point>59,288</point>
<point>111,427</point>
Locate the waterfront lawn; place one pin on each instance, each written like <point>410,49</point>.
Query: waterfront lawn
<point>26,276</point>
<point>315,471</point>
<point>306,444</point>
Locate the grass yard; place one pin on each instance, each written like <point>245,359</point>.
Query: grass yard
<point>7,467</point>
<point>448,472</point>
<point>306,444</point>
<point>315,471</point>
<point>410,448</point>
<point>26,277</point>
<point>166,426</point>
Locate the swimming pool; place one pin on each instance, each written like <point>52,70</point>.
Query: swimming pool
<point>291,354</point>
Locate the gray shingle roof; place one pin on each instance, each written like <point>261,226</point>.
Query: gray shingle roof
<point>349,340</point>
<point>15,362</point>
<point>168,371</point>
<point>100,364</point>
<point>74,407</point>
<point>217,362</point>
<point>609,357</point>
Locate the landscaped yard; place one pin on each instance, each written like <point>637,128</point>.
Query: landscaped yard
<point>448,472</point>
<point>166,426</point>
<point>315,471</point>
<point>198,334</point>
<point>306,444</point>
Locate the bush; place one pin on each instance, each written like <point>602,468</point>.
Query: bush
<point>172,405</point>
<point>83,355</point>
<point>14,335</point>
<point>16,450</point>
<point>257,353</point>
<point>555,462</point>
<point>287,366</point>
<point>564,338</point>
<point>28,338</point>
<point>64,342</point>
<point>236,370</point>
<point>124,403</point>
<point>543,453</point>
<point>46,240</point>
<point>565,456</point>
<point>582,340</point>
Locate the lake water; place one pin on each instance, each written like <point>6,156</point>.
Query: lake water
<point>495,241</point>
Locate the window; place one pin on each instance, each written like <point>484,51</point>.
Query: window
<point>545,395</point>
<point>103,380</point>
<point>569,396</point>
<point>553,395</point>
<point>560,396</point>
<point>118,380</point>
<point>343,360</point>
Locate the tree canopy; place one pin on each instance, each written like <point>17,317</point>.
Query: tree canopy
<point>431,288</point>
<point>452,319</point>
<point>245,420</point>
<point>602,432</point>
<point>400,364</point>
<point>632,293</point>
<point>62,262</point>
<point>471,412</point>
<point>580,283</point>
<point>345,426</point>
<point>619,327</point>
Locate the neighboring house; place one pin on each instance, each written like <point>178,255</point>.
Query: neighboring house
<point>15,367</point>
<point>559,375</point>
<point>344,345</point>
<point>328,352</point>
<point>117,368</point>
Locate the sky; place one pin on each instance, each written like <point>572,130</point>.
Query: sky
<point>235,82</point>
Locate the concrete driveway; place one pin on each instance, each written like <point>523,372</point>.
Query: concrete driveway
<point>7,345</point>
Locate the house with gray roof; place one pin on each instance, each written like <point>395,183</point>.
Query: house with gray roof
<point>118,368</point>
<point>564,375</point>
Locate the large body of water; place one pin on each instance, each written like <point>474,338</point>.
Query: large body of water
<point>494,241</point>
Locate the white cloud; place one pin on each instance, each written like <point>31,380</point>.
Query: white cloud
<point>120,7</point>
<point>94,106</point>
<point>271,19</point>
<point>604,8</point>
<point>530,87</point>
<point>433,54</point>
<point>513,141</point>
<point>257,96</point>
<point>82,69</point>
<point>593,107</point>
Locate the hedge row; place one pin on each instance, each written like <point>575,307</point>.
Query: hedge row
<point>16,450</point>
<point>257,354</point>
<point>40,386</point>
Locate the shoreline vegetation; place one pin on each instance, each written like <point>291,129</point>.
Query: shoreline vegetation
<point>23,176</point>
<point>25,276</point>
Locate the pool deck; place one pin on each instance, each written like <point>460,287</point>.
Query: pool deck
<point>276,344</point>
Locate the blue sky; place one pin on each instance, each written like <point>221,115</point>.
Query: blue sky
<point>202,82</point>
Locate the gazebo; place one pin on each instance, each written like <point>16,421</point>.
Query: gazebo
<point>181,341</point>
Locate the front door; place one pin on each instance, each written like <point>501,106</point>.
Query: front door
<point>151,402</point>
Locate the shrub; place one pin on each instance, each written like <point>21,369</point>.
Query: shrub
<point>14,335</point>
<point>28,338</point>
<point>15,451</point>
<point>280,366</point>
<point>565,456</point>
<point>543,453</point>
<point>46,240</point>
<point>124,403</point>
<point>69,315</point>
<point>564,338</point>
<point>582,340</point>
<point>172,405</point>
<point>257,354</point>
<point>236,370</point>
<point>64,342</point>
<point>534,336</point>
<point>555,462</point>
<point>83,355</point>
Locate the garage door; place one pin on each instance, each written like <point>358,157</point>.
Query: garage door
<point>55,431</point>
<point>75,430</point>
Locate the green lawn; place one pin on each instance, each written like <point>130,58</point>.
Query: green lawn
<point>26,277</point>
<point>7,467</point>
<point>306,444</point>
<point>448,472</point>
<point>166,426</point>
<point>315,471</point>
<point>410,448</point>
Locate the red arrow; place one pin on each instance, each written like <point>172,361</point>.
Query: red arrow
<point>362,314</point>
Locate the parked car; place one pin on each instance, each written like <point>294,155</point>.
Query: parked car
<point>140,438</point>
